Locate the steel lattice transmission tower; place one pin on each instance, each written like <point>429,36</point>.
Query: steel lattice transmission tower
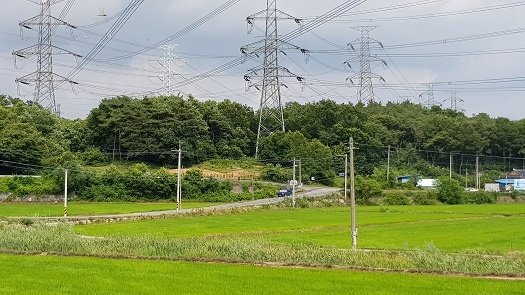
<point>365,77</point>
<point>44,77</point>
<point>167,69</point>
<point>431,101</point>
<point>267,77</point>
<point>455,101</point>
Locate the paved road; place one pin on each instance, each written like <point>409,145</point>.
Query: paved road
<point>308,192</point>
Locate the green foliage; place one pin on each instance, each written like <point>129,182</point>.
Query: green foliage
<point>480,197</point>
<point>32,186</point>
<point>275,173</point>
<point>449,191</point>
<point>94,157</point>
<point>426,198</point>
<point>366,189</point>
<point>395,198</point>
<point>316,158</point>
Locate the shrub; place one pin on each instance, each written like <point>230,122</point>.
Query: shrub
<point>479,198</point>
<point>428,198</point>
<point>392,199</point>
<point>449,191</point>
<point>366,189</point>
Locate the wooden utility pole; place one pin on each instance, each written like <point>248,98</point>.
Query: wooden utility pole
<point>352,195</point>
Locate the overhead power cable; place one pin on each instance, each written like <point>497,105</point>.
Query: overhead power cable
<point>184,31</point>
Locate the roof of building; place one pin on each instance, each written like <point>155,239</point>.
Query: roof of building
<point>515,174</point>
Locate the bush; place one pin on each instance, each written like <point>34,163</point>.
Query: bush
<point>392,199</point>
<point>479,198</point>
<point>428,198</point>
<point>449,191</point>
<point>275,173</point>
<point>366,189</point>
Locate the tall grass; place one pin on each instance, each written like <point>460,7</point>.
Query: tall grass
<point>61,238</point>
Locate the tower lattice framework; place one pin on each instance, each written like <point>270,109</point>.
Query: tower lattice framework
<point>44,77</point>
<point>267,77</point>
<point>167,70</point>
<point>364,77</point>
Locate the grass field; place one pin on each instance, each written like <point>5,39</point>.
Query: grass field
<point>80,275</point>
<point>82,209</point>
<point>489,228</point>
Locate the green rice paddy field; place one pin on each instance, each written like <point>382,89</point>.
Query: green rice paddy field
<point>80,275</point>
<point>83,209</point>
<point>490,228</point>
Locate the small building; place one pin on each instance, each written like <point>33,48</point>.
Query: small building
<point>407,178</point>
<point>512,180</point>
<point>492,187</point>
<point>427,184</point>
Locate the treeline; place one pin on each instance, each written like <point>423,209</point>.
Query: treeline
<point>149,130</point>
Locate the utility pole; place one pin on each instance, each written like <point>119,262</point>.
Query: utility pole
<point>477,173</point>
<point>450,167</point>
<point>44,77</point>
<point>266,78</point>
<point>293,185</point>
<point>388,166</point>
<point>365,88</point>
<point>179,177</point>
<point>352,196</point>
<point>300,174</point>
<point>346,175</point>
<point>65,193</point>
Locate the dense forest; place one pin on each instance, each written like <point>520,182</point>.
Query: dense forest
<point>417,140</point>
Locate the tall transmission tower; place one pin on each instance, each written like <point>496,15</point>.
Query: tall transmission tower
<point>266,77</point>
<point>365,77</point>
<point>455,101</point>
<point>167,69</point>
<point>430,100</point>
<point>44,77</point>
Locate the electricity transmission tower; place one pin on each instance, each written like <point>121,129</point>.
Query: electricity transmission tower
<point>431,101</point>
<point>455,101</point>
<point>44,77</point>
<point>266,77</point>
<point>167,69</point>
<point>365,77</point>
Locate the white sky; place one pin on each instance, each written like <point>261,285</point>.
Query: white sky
<point>486,60</point>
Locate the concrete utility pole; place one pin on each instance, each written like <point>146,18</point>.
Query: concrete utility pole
<point>300,183</point>
<point>388,166</point>
<point>450,167</point>
<point>179,177</point>
<point>365,88</point>
<point>293,185</point>
<point>477,173</point>
<point>44,77</point>
<point>346,176</point>
<point>352,195</point>
<point>266,78</point>
<point>65,193</point>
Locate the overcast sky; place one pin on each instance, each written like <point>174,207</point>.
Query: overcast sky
<point>472,47</point>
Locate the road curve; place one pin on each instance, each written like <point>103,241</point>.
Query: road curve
<point>308,192</point>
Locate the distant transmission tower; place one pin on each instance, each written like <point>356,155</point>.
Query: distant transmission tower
<point>266,77</point>
<point>167,70</point>
<point>455,101</point>
<point>365,77</point>
<point>44,77</point>
<point>430,100</point>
